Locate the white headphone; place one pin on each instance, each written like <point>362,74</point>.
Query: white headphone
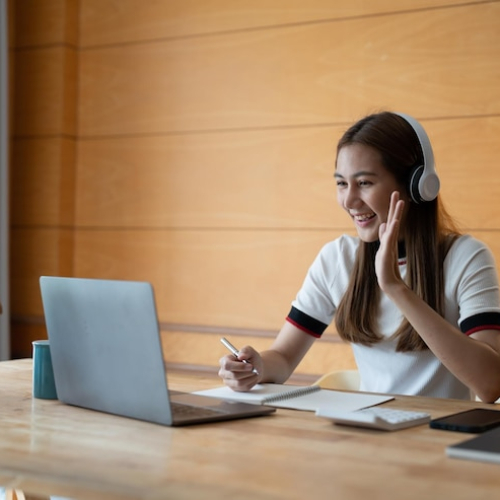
<point>424,182</point>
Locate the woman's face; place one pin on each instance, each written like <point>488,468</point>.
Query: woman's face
<point>364,188</point>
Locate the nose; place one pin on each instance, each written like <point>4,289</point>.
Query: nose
<point>350,198</point>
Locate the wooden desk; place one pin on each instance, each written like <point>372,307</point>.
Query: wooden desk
<point>50,448</point>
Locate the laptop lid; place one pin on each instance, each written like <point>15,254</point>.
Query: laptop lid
<point>107,354</point>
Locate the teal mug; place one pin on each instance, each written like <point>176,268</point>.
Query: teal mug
<point>44,385</point>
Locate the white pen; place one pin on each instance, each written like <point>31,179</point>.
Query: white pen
<point>235,352</point>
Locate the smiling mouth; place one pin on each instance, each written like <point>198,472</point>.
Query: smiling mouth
<point>363,217</point>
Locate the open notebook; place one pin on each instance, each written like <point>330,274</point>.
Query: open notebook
<point>308,398</point>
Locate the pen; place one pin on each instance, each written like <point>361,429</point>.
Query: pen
<point>235,352</point>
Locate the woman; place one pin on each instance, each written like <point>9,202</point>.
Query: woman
<point>418,302</point>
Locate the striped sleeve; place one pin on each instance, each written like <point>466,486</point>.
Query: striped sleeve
<point>482,321</point>
<point>306,323</point>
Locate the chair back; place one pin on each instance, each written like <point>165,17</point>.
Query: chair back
<point>347,380</point>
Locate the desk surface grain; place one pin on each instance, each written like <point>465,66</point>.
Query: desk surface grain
<point>47,448</point>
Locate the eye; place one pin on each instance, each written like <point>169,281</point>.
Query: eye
<point>341,183</point>
<point>364,183</point>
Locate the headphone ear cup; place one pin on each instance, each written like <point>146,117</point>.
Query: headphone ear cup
<point>424,182</point>
<point>413,188</point>
<point>428,186</point>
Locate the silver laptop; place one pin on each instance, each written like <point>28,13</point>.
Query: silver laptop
<point>107,355</point>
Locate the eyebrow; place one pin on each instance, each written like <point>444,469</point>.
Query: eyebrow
<point>357,174</point>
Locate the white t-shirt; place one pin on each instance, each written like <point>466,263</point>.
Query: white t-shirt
<point>471,289</point>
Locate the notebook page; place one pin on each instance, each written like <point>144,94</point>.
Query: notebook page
<point>256,395</point>
<point>340,400</point>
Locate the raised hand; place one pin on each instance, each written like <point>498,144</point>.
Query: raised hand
<point>386,260</point>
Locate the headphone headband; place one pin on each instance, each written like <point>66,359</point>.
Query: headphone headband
<point>424,182</point>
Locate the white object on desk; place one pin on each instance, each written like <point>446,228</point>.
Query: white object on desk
<point>387,419</point>
<point>296,397</point>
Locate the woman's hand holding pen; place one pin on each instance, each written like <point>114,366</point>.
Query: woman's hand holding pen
<point>241,370</point>
<point>386,260</point>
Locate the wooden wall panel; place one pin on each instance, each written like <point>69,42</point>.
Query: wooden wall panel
<point>272,178</point>
<point>240,279</point>
<point>205,135</point>
<point>36,252</point>
<point>276,178</point>
<point>23,333</point>
<point>430,64</point>
<point>204,350</point>
<point>466,152</point>
<point>235,278</point>
<point>46,22</point>
<point>45,92</point>
<point>120,21</point>
<point>44,62</point>
<point>43,181</point>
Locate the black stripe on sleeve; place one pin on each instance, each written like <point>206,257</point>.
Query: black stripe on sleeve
<point>482,321</point>
<point>306,323</point>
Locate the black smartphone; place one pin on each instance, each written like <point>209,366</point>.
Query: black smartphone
<point>474,421</point>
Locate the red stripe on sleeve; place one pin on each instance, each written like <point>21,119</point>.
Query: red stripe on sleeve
<point>482,327</point>
<point>305,330</point>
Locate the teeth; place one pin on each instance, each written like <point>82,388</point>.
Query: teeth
<point>363,217</point>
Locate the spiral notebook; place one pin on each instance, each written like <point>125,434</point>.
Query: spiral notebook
<point>296,397</point>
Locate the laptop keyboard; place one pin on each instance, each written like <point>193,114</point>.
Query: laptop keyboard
<point>180,410</point>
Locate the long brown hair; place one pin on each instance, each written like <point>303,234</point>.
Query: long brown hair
<point>427,235</point>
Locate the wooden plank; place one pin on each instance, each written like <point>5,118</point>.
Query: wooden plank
<point>273,178</point>
<point>45,96</point>
<point>466,154</point>
<point>243,279</point>
<point>22,334</point>
<point>235,279</point>
<point>201,349</point>
<point>206,350</point>
<point>43,181</point>
<point>278,178</point>
<point>45,22</point>
<point>429,63</point>
<point>122,21</point>
<point>36,252</point>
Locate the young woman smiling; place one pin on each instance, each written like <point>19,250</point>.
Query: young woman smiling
<point>418,301</point>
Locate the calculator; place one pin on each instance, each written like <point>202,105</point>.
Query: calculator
<point>376,417</point>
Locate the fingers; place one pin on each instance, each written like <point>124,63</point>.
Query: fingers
<point>386,260</point>
<point>231,364</point>
<point>392,206</point>
<point>398,212</point>
<point>237,375</point>
<point>381,230</point>
<point>396,207</point>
